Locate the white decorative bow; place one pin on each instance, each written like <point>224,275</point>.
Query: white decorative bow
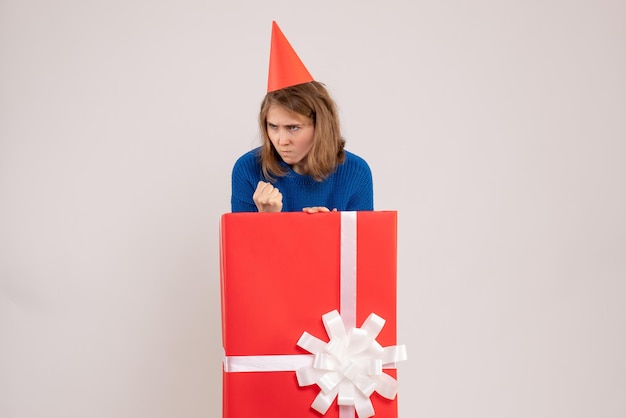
<point>350,366</point>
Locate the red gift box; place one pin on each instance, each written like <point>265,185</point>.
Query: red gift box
<point>280,272</point>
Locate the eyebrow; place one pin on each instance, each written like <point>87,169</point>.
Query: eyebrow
<point>287,125</point>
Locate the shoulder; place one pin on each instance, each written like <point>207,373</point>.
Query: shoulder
<point>249,160</point>
<point>355,170</point>
<point>355,162</point>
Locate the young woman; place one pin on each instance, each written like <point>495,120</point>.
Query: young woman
<point>302,164</point>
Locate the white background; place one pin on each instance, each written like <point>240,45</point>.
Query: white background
<point>497,129</point>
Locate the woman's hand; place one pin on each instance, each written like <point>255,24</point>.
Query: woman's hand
<point>316,209</point>
<point>267,198</point>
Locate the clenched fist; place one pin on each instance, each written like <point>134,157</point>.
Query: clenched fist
<point>267,198</point>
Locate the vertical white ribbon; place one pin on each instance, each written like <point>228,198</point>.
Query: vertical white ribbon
<point>347,305</point>
<point>347,297</point>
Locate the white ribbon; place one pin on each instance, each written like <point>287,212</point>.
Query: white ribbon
<point>348,367</point>
<point>276,363</point>
<point>347,296</point>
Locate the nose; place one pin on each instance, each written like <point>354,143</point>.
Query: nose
<point>282,137</point>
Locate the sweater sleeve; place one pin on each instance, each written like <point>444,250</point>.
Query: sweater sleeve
<point>243,181</point>
<point>362,196</point>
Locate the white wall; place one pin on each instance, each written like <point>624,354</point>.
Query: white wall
<point>497,129</point>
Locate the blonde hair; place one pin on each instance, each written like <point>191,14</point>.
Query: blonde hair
<point>313,101</point>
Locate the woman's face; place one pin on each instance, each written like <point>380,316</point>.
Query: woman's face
<point>291,134</point>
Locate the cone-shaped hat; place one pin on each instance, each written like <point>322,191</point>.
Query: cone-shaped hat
<point>286,69</point>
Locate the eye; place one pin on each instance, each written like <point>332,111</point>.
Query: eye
<point>294,128</point>
<point>272,126</point>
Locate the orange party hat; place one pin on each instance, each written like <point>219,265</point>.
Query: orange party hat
<point>286,69</point>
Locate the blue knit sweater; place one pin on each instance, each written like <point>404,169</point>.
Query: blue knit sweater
<point>349,187</point>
